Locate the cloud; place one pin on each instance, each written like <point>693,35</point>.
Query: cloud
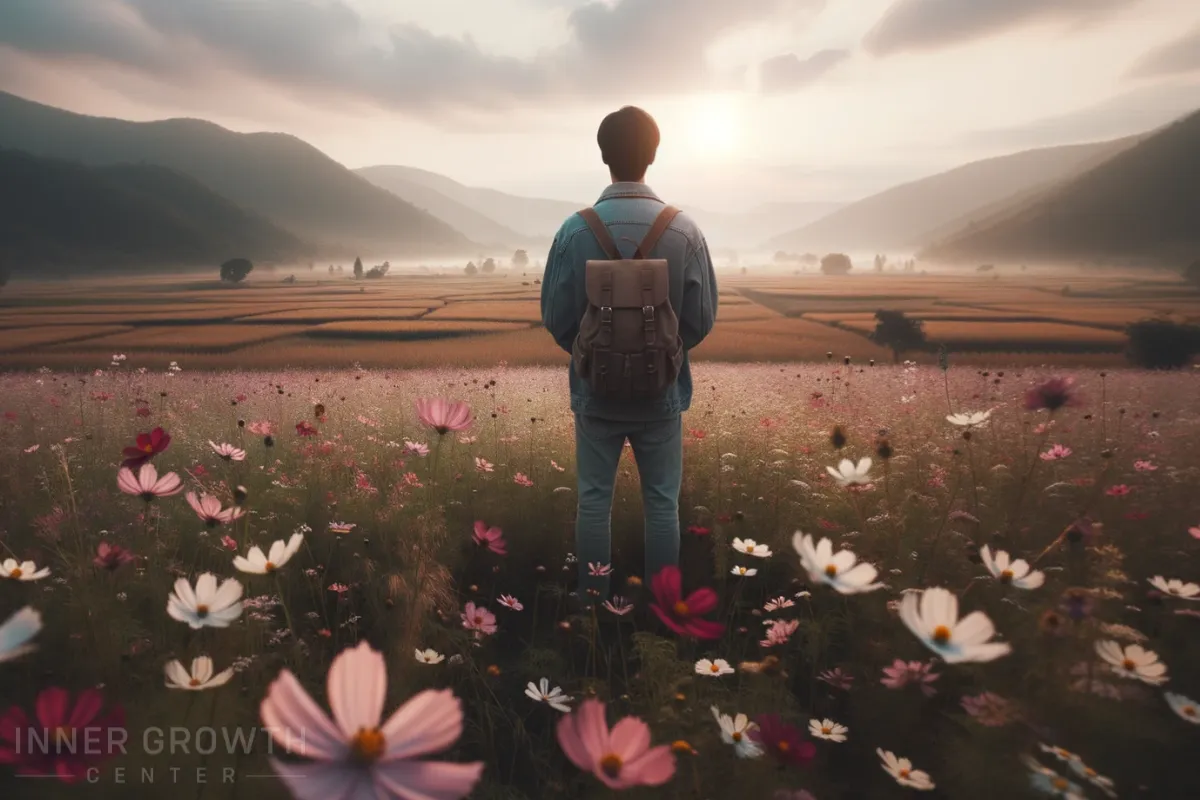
<point>1134,112</point>
<point>788,72</point>
<point>929,24</point>
<point>1173,58</point>
<point>326,46</point>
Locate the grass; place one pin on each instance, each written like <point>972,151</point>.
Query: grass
<point>417,329</point>
<point>191,338</point>
<point>513,310</point>
<point>26,338</point>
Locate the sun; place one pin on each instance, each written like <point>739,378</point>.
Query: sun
<point>714,129</point>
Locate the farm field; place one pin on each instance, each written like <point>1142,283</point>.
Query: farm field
<point>423,561</point>
<point>420,320</point>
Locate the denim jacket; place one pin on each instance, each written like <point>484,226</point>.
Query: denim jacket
<point>629,209</point>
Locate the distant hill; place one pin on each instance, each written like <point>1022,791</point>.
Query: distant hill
<point>908,216</point>
<point>488,215</point>
<point>275,175</point>
<point>63,217</point>
<point>1143,203</point>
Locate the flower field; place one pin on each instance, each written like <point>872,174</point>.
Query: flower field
<point>894,581</point>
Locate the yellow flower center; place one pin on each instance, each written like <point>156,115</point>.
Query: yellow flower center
<point>681,609</point>
<point>1091,773</point>
<point>784,746</point>
<point>611,765</point>
<point>904,773</point>
<point>1059,783</point>
<point>367,745</point>
<point>825,729</point>
<point>1128,665</point>
<point>715,668</point>
<point>736,736</point>
<point>831,570</point>
<point>194,682</point>
<point>201,611</point>
<point>16,573</point>
<point>941,635</point>
<point>1189,711</point>
<point>147,448</point>
<point>1006,576</point>
<point>269,567</point>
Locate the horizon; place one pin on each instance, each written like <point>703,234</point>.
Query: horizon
<point>522,84</point>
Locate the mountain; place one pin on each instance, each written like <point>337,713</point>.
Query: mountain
<point>61,216</point>
<point>463,217</point>
<point>906,217</point>
<point>274,175</point>
<point>1143,203</point>
<point>488,215</point>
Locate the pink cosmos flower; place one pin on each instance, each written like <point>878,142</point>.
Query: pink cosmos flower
<point>621,758</point>
<point>619,606</point>
<point>990,709</point>
<point>229,543</point>
<point>683,615</point>
<point>1195,532</point>
<point>521,479</point>
<point>1056,453</point>
<point>416,448</point>
<point>228,451</point>
<point>837,679</point>
<point>65,740</point>
<point>111,556</point>
<point>1145,466</point>
<point>599,570</point>
<point>510,602</point>
<point>902,673</point>
<point>208,509</point>
<point>492,538</point>
<point>1052,395</point>
<point>785,743</point>
<point>444,416</point>
<point>146,484</point>
<point>479,619</point>
<point>780,631</point>
<point>261,428</point>
<point>483,465</point>
<point>353,756</point>
<point>306,428</point>
<point>1120,490</point>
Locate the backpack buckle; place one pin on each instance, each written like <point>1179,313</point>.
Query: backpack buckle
<point>648,313</point>
<point>606,314</point>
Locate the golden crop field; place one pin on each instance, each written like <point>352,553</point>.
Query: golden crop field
<point>415,320</point>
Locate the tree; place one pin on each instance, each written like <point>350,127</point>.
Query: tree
<point>235,270</point>
<point>880,263</point>
<point>836,264</point>
<point>358,268</point>
<point>1158,343</point>
<point>520,259</point>
<point>898,332</point>
<point>1192,273</point>
<point>379,271</point>
<point>488,267</point>
<point>471,269</point>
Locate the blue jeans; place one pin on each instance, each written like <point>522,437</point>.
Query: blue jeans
<point>658,449</point>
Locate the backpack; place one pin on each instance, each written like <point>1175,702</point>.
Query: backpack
<point>628,347</point>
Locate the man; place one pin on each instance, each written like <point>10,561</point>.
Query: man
<point>628,208</point>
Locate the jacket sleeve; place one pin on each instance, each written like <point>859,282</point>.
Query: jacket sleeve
<point>699,297</point>
<point>558,297</point>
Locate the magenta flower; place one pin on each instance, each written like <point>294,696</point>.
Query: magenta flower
<point>1120,490</point>
<point>1056,453</point>
<point>492,538</point>
<point>990,709</point>
<point>683,615</point>
<point>479,619</point>
<point>521,479</point>
<point>146,484</point>
<point>208,509</point>
<point>353,755</point>
<point>65,740</point>
<point>147,447</point>
<point>1194,532</point>
<point>111,556</point>
<point>902,673</point>
<point>785,743</point>
<point>621,758</point>
<point>1052,395</point>
<point>444,416</point>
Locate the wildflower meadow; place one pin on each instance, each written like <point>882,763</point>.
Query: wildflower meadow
<point>895,581</point>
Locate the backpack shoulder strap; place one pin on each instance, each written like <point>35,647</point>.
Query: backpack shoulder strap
<point>600,231</point>
<point>664,220</point>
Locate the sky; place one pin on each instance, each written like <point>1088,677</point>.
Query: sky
<point>757,100</point>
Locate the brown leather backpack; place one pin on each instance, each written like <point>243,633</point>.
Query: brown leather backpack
<point>628,347</point>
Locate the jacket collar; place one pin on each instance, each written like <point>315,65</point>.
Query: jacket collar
<point>628,189</point>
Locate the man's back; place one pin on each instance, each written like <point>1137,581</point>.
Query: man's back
<point>628,210</point>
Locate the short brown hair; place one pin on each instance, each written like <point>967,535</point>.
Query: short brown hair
<point>628,141</point>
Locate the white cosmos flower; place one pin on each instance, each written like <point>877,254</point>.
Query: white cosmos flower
<point>713,669</point>
<point>736,731</point>
<point>745,572</point>
<point>23,571</point>
<point>227,451</point>
<point>200,678</point>
<point>839,570</point>
<point>1047,781</point>
<point>827,729</point>
<point>1185,708</point>
<point>430,657</point>
<point>1176,588</point>
<point>752,548</point>
<point>902,770</point>
<point>281,552</point>
<point>17,631</point>
<point>850,474</point>
<point>1133,661</point>
<point>1012,572</point>
<point>209,605</point>
<point>969,419</point>
<point>1101,782</point>
<point>935,622</point>
<point>542,693</point>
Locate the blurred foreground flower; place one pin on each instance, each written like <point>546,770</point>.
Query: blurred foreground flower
<point>444,416</point>
<point>902,770</point>
<point>111,556</point>
<point>1176,588</point>
<point>683,615</point>
<point>22,571</point>
<point>1052,395</point>
<point>901,674</point>
<point>281,552</point>
<point>209,605</point>
<point>1185,708</point>
<point>1016,573</point>
<point>354,756</point>
<point>838,570</point>
<point>65,740</point>
<point>16,633</point>
<point>147,447</point>
<point>146,483</point>
<point>736,731</point>
<point>621,758</point>
<point>783,742</point>
<point>208,509</point>
<point>1133,661</point>
<point>492,538</point>
<point>935,622</point>
<point>848,474</point>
